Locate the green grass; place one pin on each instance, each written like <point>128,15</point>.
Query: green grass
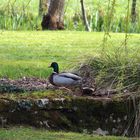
<point>24,133</point>
<point>29,53</point>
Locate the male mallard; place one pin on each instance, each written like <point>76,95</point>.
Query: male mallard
<point>63,79</point>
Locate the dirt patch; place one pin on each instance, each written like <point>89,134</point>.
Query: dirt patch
<point>23,85</point>
<point>28,84</point>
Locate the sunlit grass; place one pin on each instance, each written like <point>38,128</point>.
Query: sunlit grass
<point>30,53</point>
<point>24,133</point>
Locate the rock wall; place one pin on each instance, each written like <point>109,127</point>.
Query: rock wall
<point>80,114</point>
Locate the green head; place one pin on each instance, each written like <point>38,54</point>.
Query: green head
<point>55,67</point>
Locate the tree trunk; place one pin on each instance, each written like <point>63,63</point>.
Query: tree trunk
<point>133,11</point>
<point>84,16</point>
<point>53,20</point>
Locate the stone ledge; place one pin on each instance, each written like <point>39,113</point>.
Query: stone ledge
<point>75,114</point>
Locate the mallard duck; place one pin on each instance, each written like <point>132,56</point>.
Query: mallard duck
<point>63,79</point>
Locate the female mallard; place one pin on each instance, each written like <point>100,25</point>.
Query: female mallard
<point>63,79</point>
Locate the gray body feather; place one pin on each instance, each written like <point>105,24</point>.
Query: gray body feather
<point>66,79</point>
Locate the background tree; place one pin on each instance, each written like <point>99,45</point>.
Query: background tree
<point>84,16</point>
<point>133,11</point>
<point>53,20</point>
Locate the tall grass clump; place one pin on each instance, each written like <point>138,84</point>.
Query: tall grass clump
<point>97,16</point>
<point>120,69</point>
<point>116,73</point>
<point>18,16</point>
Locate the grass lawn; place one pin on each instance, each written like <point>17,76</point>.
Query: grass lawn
<point>29,53</point>
<point>41,134</point>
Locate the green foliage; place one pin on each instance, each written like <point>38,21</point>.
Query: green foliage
<point>15,15</point>
<point>23,15</point>
<point>24,133</point>
<point>117,72</point>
